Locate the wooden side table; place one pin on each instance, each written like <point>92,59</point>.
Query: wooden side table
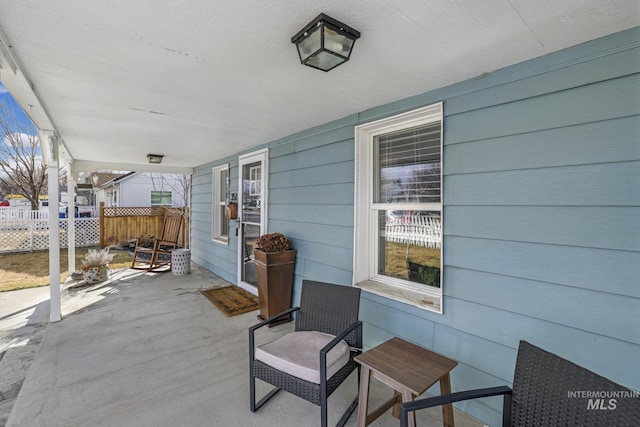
<point>409,370</point>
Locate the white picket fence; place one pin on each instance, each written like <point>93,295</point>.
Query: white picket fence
<point>33,234</point>
<point>415,230</point>
<point>16,214</point>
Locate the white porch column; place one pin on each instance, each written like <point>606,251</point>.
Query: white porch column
<point>54,228</point>
<point>71,218</point>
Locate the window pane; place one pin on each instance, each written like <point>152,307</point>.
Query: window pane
<point>254,180</point>
<point>220,197</point>
<point>408,162</point>
<point>161,198</point>
<point>224,224</point>
<point>251,203</point>
<point>409,245</point>
<point>222,183</point>
<point>224,188</point>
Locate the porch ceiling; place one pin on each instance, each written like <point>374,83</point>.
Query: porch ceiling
<point>200,80</point>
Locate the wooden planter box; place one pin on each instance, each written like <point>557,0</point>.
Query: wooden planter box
<point>274,273</point>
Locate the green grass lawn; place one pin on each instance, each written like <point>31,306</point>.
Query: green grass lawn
<point>20,270</point>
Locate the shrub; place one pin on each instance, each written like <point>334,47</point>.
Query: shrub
<point>147,240</point>
<point>96,258</point>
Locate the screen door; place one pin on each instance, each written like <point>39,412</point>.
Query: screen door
<point>252,221</point>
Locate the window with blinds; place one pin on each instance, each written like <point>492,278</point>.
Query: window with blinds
<point>398,209</point>
<point>408,165</point>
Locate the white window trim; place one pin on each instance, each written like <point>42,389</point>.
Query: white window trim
<point>216,219</point>
<point>364,253</point>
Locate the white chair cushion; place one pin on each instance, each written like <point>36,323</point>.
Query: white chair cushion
<point>298,354</point>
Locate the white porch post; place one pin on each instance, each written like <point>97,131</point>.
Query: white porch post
<point>54,229</point>
<point>71,218</point>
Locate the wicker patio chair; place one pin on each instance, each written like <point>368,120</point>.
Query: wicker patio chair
<point>158,257</point>
<point>550,391</point>
<point>324,308</point>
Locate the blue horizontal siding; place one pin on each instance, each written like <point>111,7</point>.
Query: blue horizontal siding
<point>220,258</point>
<point>583,226</point>
<point>585,268</point>
<point>336,151</point>
<point>541,216</point>
<point>597,102</point>
<point>615,140</point>
<point>326,194</point>
<point>584,185</point>
<point>597,311</point>
<point>601,68</point>
<point>328,214</point>
<point>334,173</point>
<point>610,357</point>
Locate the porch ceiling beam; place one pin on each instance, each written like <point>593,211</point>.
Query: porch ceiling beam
<point>92,166</point>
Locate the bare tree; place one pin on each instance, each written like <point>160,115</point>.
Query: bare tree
<point>21,167</point>
<point>180,185</point>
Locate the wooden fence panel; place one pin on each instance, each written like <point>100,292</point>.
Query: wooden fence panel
<point>118,225</point>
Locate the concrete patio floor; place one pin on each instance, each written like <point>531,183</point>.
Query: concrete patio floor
<point>147,349</point>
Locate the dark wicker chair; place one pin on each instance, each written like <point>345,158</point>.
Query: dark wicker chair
<point>324,307</point>
<point>550,391</point>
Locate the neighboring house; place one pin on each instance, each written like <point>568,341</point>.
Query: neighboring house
<point>540,167</point>
<point>98,180</point>
<point>138,189</point>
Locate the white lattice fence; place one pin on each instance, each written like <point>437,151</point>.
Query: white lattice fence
<point>27,235</point>
<point>418,231</point>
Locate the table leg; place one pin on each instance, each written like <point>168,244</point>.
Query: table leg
<point>447,410</point>
<point>396,408</point>
<point>363,399</point>
<point>407,396</point>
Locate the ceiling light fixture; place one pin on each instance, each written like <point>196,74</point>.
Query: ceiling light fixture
<point>155,158</point>
<point>325,43</point>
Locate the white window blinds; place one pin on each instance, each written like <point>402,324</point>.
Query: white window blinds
<point>408,162</point>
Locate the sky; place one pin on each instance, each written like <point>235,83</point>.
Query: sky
<point>22,120</point>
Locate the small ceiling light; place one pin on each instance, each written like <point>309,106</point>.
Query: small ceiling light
<point>325,43</point>
<point>155,158</point>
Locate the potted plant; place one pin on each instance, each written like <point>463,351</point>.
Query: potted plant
<point>426,274</point>
<point>275,261</point>
<point>95,265</point>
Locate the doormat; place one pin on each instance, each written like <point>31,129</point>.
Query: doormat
<point>232,300</point>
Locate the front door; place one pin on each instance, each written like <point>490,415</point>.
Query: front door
<point>252,218</point>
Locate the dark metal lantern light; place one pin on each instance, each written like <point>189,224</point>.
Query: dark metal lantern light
<point>155,158</point>
<point>325,43</point>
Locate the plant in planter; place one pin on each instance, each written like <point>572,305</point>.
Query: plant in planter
<point>426,274</point>
<point>275,261</point>
<point>273,243</point>
<point>95,265</point>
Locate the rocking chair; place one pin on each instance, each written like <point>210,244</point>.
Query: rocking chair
<point>158,257</point>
